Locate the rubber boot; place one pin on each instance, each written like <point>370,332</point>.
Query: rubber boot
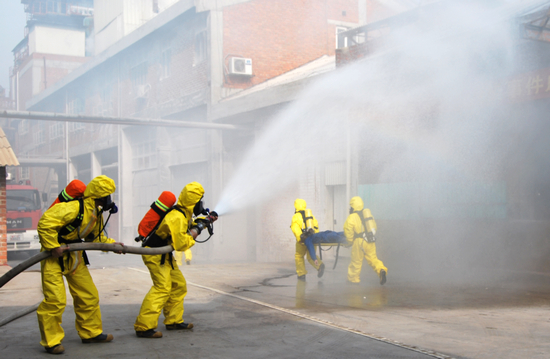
<point>56,349</point>
<point>382,277</point>
<point>151,333</point>
<point>101,338</point>
<point>321,270</point>
<point>302,277</point>
<point>179,326</point>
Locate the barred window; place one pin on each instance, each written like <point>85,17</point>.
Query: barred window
<point>145,155</point>
<point>25,173</point>
<point>165,62</point>
<point>200,47</point>
<point>76,126</point>
<point>38,137</point>
<point>24,127</point>
<point>56,130</point>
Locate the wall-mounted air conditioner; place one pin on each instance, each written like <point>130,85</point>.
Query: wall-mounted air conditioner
<point>240,66</point>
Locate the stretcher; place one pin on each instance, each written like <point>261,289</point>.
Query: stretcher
<point>330,245</point>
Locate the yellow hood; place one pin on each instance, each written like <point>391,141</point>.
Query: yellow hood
<point>190,195</point>
<point>99,187</point>
<point>356,203</point>
<point>300,204</point>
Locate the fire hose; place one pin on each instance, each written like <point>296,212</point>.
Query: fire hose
<point>81,247</point>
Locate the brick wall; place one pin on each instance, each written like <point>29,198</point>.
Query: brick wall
<point>351,54</point>
<point>377,11</point>
<point>281,35</point>
<point>3,235</point>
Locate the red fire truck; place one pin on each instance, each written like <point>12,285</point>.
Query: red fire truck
<point>23,210</point>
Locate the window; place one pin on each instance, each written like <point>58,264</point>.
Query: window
<point>346,41</point>
<point>165,62</point>
<point>22,199</point>
<point>341,42</point>
<point>56,130</point>
<point>38,135</point>
<point>105,105</point>
<point>76,106</point>
<point>25,173</point>
<point>200,47</point>
<point>24,127</point>
<point>145,155</point>
<point>138,74</point>
<point>76,126</point>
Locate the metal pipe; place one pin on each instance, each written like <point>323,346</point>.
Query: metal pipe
<point>63,117</point>
<point>81,247</point>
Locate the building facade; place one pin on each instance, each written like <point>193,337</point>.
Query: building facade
<point>180,64</point>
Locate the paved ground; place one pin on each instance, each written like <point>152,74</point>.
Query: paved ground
<point>259,310</point>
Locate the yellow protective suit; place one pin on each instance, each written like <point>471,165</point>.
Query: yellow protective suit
<point>169,285</point>
<point>297,226</point>
<point>179,256</point>
<point>81,286</point>
<point>361,248</point>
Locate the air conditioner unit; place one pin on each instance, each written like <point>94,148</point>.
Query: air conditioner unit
<point>240,66</point>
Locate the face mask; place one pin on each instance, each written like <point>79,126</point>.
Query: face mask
<point>109,205</point>
<point>199,209</point>
<point>350,210</point>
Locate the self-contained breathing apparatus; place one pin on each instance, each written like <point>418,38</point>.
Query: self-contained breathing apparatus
<point>106,204</point>
<point>308,229</point>
<point>368,225</point>
<point>160,208</point>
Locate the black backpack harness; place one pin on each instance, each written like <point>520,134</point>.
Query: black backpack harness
<point>65,230</point>
<point>153,240</point>
<point>70,228</point>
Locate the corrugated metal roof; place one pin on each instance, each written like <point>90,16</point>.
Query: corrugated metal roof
<point>7,157</point>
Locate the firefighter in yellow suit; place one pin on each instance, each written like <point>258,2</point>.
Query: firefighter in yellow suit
<point>72,265</point>
<point>179,256</point>
<point>298,227</point>
<point>169,285</point>
<point>362,246</point>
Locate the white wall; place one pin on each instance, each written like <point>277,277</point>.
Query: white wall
<point>51,40</point>
<point>108,23</point>
<point>114,19</point>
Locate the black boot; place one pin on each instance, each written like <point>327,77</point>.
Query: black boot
<point>150,333</point>
<point>321,270</point>
<point>382,277</point>
<point>56,349</point>
<point>179,326</point>
<point>302,277</point>
<point>101,338</point>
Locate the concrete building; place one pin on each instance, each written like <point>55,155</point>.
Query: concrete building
<point>181,64</point>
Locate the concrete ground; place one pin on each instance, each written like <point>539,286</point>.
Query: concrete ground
<point>256,310</point>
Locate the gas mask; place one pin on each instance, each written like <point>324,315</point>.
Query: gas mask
<point>350,210</point>
<point>108,205</point>
<point>199,209</point>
